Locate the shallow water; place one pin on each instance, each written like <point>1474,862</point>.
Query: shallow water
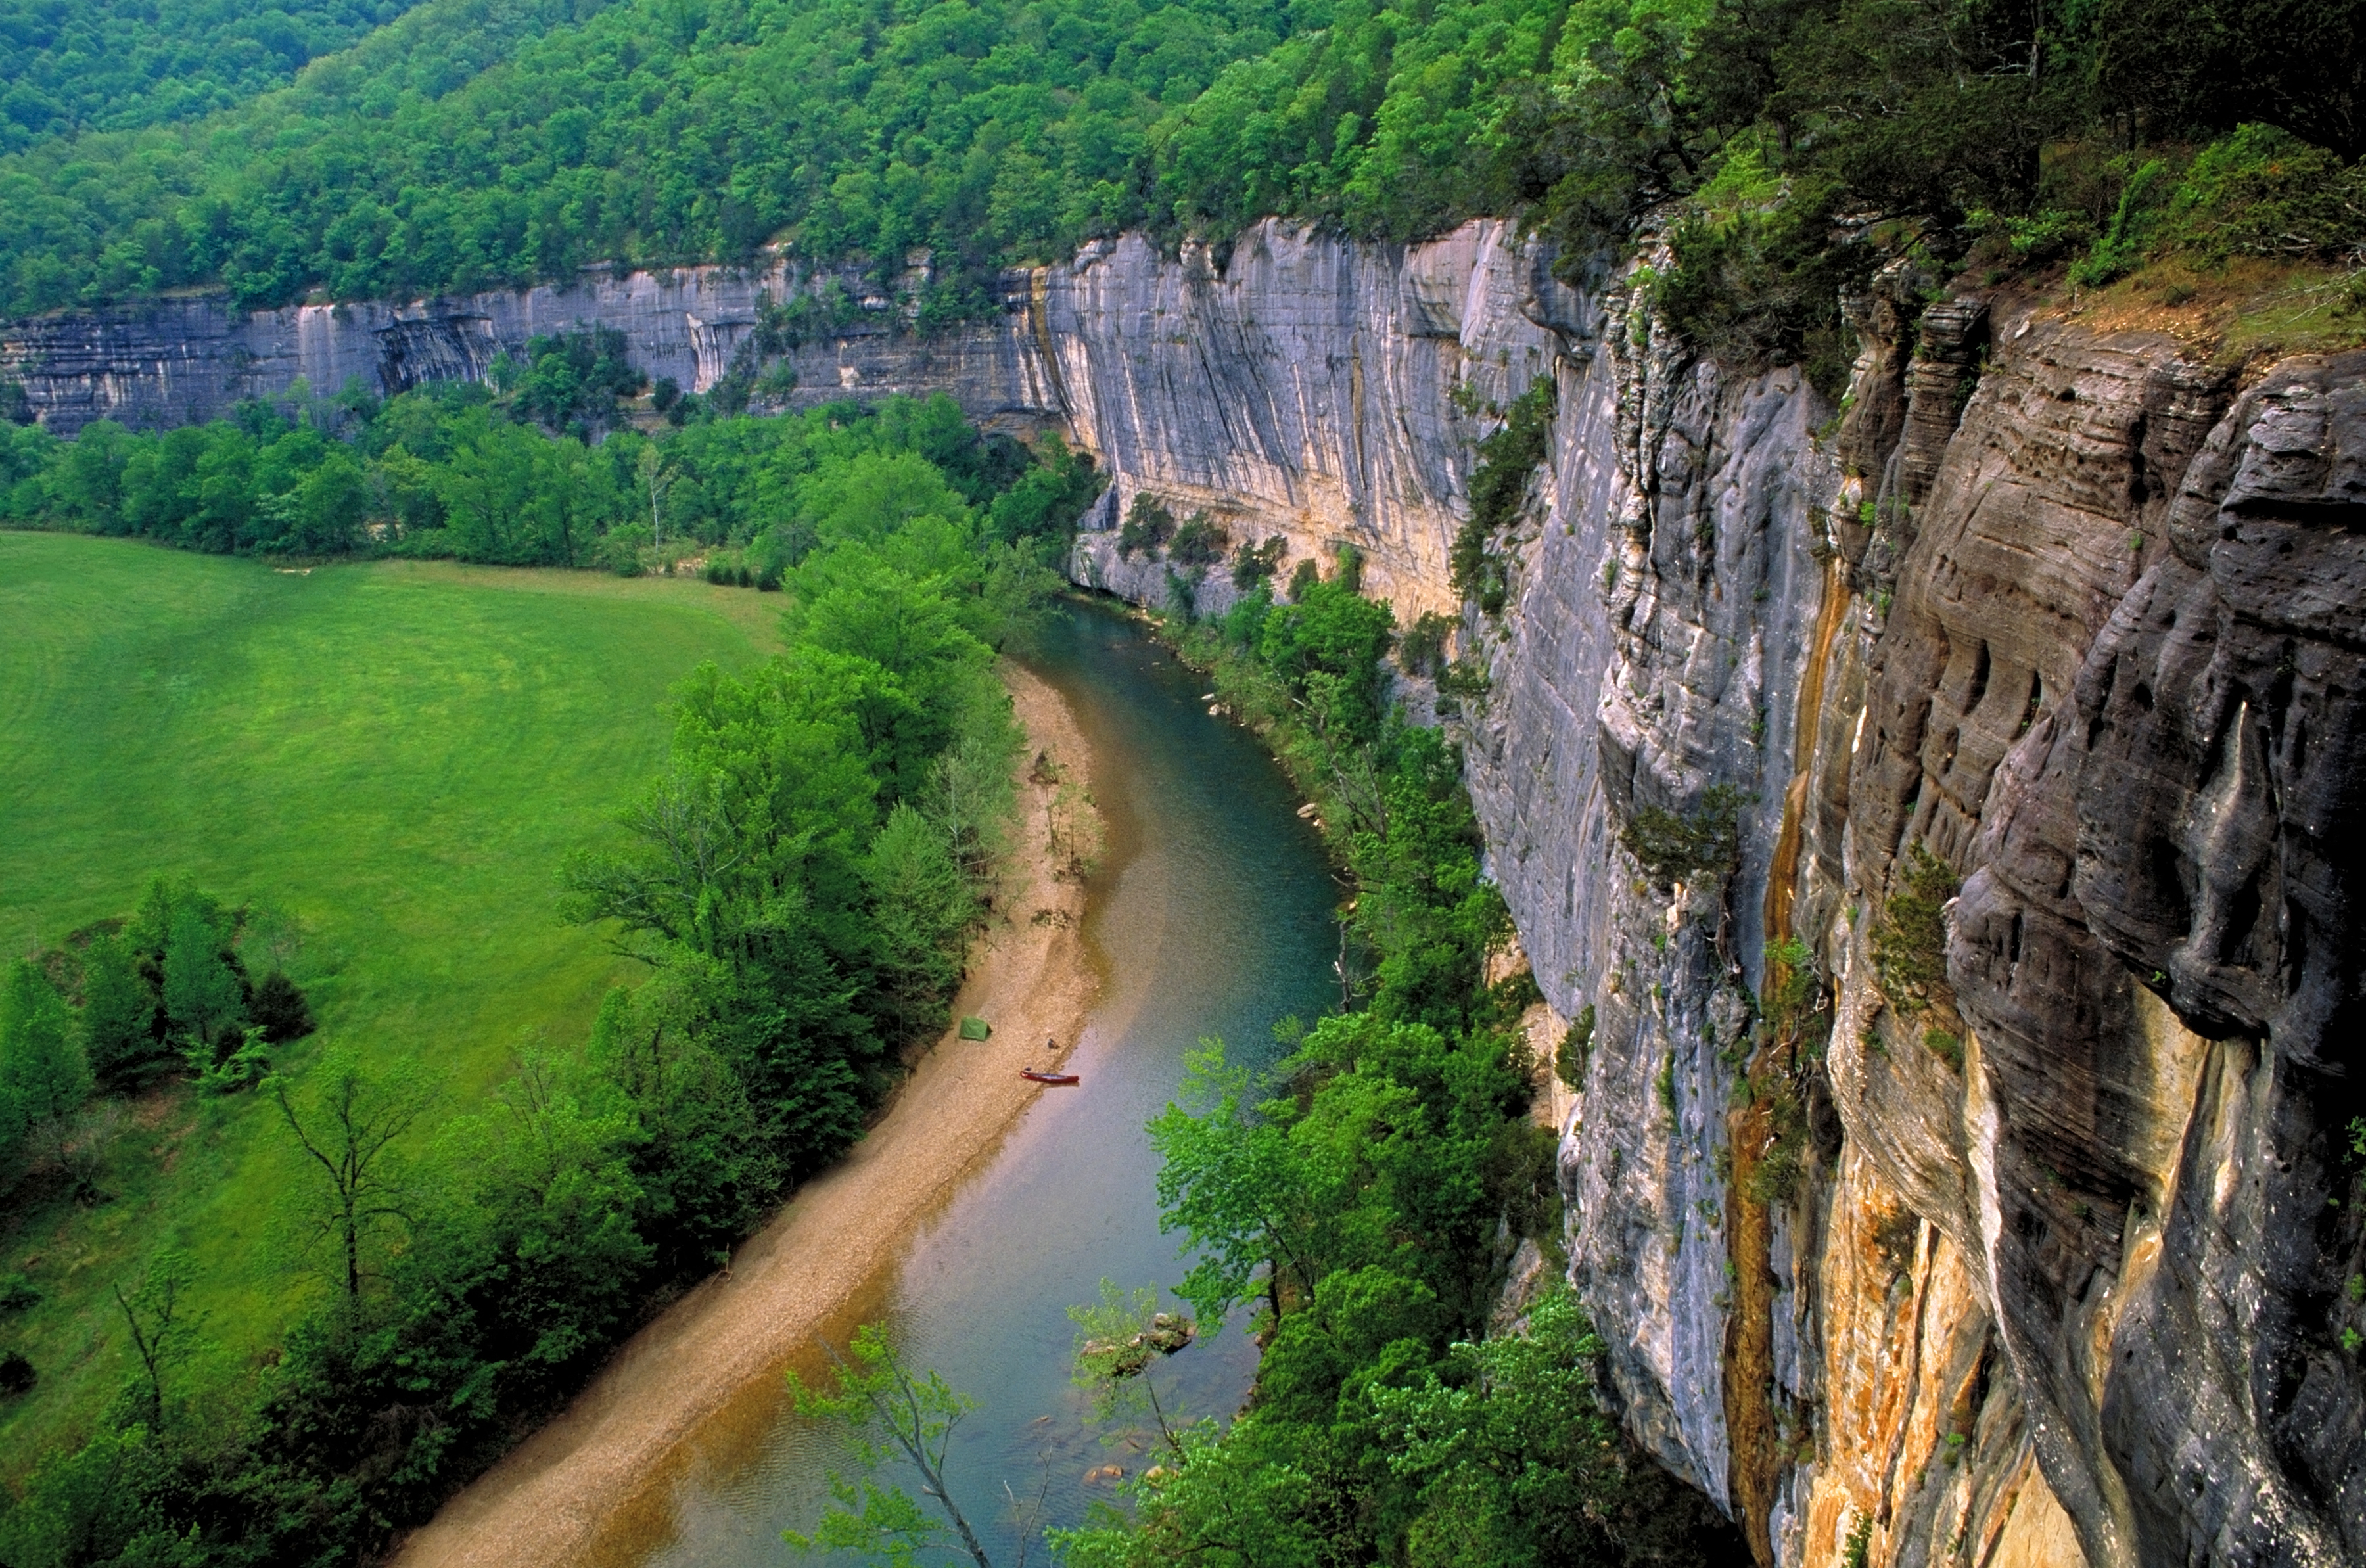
<point>1210,914</point>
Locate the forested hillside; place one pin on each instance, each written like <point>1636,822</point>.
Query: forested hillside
<point>72,67</point>
<point>663,131</point>
<point>470,146</point>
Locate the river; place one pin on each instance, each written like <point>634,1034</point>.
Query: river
<point>1210,914</point>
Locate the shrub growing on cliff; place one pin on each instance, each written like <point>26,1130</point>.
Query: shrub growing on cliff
<point>1577,1049</point>
<point>1756,278</point>
<point>2264,193</point>
<point>1774,1178</point>
<point>1461,681</point>
<point>2259,192</point>
<point>1421,648</point>
<point>1674,846</point>
<point>1859,1547</point>
<point>1254,564</point>
<point>1147,528</point>
<point>1794,986</point>
<point>1201,542</point>
<point>1910,939</point>
<point>1507,459</point>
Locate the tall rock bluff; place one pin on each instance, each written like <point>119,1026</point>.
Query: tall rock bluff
<point>1996,1214</point>
<point>183,361</point>
<point>1942,820</point>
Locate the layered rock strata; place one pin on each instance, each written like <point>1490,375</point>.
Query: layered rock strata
<point>2070,1282</point>
<point>1326,392</point>
<point>2045,1271</point>
<point>188,360</point>
<point>2028,1256</point>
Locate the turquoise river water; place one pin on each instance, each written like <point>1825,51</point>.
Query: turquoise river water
<point>1210,915</point>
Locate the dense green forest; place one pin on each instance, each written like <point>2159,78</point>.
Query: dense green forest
<point>70,68</point>
<point>802,883</point>
<point>658,132</point>
<point>462,149</point>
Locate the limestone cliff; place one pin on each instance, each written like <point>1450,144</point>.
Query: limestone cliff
<point>1329,392</point>
<point>2030,1263</point>
<point>2033,1255</point>
<point>183,361</point>
<point>2062,1275</point>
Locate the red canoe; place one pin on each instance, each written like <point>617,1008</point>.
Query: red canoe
<point>1033,1074</point>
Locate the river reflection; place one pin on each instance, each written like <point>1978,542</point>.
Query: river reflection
<point>1210,915</point>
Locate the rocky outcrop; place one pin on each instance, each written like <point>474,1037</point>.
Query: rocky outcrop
<point>1324,392</point>
<point>188,360</point>
<point>2103,1162</point>
<point>2161,935</point>
<point>2033,1263</point>
<point>1327,392</point>
<point>2038,1255</point>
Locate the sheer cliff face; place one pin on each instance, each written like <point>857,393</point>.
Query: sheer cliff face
<point>2057,1279</point>
<point>186,361</point>
<point>1328,393</point>
<point>2035,1261</point>
<point>2062,1282</point>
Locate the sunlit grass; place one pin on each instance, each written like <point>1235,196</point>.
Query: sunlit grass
<point>397,757</point>
<point>2247,311</point>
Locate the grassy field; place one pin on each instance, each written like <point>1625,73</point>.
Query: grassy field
<point>397,756</point>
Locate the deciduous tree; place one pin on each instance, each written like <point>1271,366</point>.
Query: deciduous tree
<point>43,1074</point>
<point>162,1327</point>
<point>348,1120</point>
<point>894,1414</point>
<point>118,1012</point>
<point>202,997</point>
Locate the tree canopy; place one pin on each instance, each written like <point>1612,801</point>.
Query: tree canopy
<point>468,146</point>
<point>76,65</point>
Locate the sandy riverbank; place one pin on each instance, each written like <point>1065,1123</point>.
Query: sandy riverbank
<point>545,1502</point>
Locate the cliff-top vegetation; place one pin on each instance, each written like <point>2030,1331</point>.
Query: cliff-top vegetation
<point>1803,143</point>
<point>1785,153</point>
<point>72,65</point>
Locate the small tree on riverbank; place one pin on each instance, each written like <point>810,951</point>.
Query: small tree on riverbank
<point>893,1412</point>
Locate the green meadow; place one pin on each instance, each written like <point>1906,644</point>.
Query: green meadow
<point>394,758</point>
